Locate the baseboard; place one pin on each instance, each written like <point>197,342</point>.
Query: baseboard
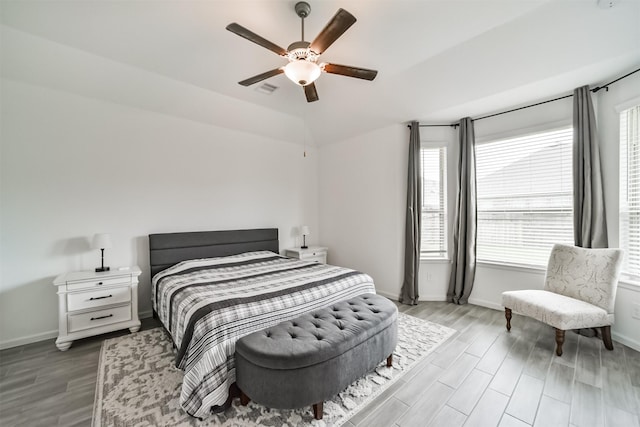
<point>392,297</point>
<point>421,298</point>
<point>145,314</point>
<point>433,298</point>
<point>485,303</point>
<point>29,339</point>
<point>623,339</point>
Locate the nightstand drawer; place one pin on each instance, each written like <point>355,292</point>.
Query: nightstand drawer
<point>98,298</point>
<point>95,283</point>
<point>320,257</point>
<point>78,322</point>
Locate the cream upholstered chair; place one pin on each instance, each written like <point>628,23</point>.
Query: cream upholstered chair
<point>579,292</point>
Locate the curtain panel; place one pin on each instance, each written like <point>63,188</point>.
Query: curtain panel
<point>589,219</point>
<point>463,253</point>
<point>413,220</point>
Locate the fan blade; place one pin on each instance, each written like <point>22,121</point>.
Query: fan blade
<point>260,77</point>
<point>253,37</point>
<point>345,70</point>
<point>311,92</point>
<point>340,23</point>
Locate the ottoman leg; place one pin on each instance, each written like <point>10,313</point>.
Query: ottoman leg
<point>317,411</point>
<point>244,399</point>
<point>390,360</point>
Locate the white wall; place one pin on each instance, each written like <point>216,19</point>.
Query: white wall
<point>73,166</point>
<point>362,188</point>
<point>369,207</point>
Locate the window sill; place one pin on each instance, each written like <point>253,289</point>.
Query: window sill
<point>514,267</point>
<point>631,283</point>
<point>625,282</point>
<point>435,260</point>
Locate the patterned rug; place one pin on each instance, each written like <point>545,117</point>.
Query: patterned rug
<point>138,384</point>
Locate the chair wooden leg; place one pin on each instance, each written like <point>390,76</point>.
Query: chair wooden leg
<point>390,360</point>
<point>317,410</point>
<point>559,341</point>
<point>507,315</point>
<point>606,337</point>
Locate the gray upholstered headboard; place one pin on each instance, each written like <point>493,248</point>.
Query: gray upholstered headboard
<point>167,249</point>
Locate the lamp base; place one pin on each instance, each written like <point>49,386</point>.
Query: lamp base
<point>99,269</point>
<point>304,247</point>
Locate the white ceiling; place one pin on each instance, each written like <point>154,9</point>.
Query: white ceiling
<point>437,60</point>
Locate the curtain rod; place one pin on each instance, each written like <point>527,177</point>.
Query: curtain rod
<point>606,87</point>
<point>525,107</point>
<point>594,90</point>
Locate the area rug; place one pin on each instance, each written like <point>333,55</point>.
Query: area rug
<point>139,385</point>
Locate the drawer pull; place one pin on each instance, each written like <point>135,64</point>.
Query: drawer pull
<point>95,298</point>
<point>102,317</point>
<point>99,283</point>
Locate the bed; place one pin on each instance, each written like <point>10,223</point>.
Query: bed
<point>211,288</point>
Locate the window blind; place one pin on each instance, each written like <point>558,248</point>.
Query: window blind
<point>433,242</point>
<point>525,197</point>
<point>630,190</point>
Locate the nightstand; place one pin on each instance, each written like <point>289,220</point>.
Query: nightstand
<point>312,253</point>
<point>91,303</point>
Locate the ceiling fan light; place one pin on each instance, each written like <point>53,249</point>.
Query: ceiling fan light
<point>302,72</point>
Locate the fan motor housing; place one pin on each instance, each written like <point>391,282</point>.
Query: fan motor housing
<point>300,50</point>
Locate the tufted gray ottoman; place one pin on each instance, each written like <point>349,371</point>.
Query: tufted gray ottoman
<point>310,359</point>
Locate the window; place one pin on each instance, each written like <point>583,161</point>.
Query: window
<point>630,189</point>
<point>433,242</point>
<point>525,197</point>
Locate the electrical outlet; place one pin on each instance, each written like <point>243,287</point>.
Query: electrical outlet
<point>635,313</point>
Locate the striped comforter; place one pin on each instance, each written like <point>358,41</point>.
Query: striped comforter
<point>208,304</point>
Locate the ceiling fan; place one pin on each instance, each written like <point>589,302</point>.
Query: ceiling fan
<point>303,67</point>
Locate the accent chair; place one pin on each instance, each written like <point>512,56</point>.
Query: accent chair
<point>579,292</point>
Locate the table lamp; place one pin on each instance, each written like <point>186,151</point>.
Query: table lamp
<point>101,241</point>
<point>304,230</point>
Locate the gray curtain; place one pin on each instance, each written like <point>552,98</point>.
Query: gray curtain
<point>589,220</point>
<point>409,293</point>
<point>463,253</point>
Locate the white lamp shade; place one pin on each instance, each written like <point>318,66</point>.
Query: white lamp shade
<point>302,72</point>
<point>304,230</point>
<point>101,241</point>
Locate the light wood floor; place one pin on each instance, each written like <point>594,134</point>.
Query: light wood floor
<point>483,376</point>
